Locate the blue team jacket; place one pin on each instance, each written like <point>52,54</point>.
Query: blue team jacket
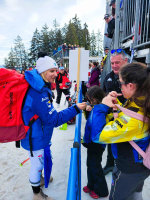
<point>38,101</point>
<point>93,125</point>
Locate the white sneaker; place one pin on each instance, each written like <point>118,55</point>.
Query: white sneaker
<point>41,196</point>
<point>58,105</point>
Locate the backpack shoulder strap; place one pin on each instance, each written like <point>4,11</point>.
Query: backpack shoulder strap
<point>139,150</point>
<point>132,114</point>
<point>136,116</point>
<point>32,120</point>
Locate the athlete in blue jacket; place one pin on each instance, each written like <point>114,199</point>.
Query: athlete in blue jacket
<point>39,101</point>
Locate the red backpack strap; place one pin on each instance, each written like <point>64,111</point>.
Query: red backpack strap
<point>32,120</point>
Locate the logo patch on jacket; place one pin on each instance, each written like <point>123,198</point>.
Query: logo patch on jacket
<point>123,120</point>
<point>50,112</point>
<point>118,123</point>
<point>44,99</point>
<point>110,79</point>
<point>49,104</point>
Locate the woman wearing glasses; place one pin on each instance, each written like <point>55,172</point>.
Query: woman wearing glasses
<point>129,173</point>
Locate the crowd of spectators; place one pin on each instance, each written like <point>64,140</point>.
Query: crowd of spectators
<point>63,50</point>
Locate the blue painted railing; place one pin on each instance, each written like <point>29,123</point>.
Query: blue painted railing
<point>74,181</point>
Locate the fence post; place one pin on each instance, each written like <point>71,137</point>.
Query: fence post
<point>124,18</point>
<point>77,146</point>
<point>78,72</point>
<point>71,193</point>
<point>148,59</point>
<point>136,33</point>
<point>77,140</point>
<point>117,19</point>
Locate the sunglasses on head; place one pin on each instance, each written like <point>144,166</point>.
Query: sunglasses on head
<point>117,50</point>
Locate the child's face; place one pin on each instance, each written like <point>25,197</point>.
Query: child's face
<point>92,101</point>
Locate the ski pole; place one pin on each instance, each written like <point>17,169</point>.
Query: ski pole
<point>21,164</point>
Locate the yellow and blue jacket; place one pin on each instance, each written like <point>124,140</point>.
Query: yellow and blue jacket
<point>118,132</point>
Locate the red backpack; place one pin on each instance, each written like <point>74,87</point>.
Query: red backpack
<point>66,84</point>
<point>13,88</point>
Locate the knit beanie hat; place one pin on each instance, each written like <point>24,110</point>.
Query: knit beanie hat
<point>45,63</point>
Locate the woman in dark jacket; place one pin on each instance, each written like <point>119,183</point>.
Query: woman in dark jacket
<point>95,72</point>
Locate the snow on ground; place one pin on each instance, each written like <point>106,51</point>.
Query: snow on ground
<point>14,179</point>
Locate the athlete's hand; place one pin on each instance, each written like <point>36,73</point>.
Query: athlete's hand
<point>81,106</point>
<point>60,84</point>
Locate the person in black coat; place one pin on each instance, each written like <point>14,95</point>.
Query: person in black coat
<point>111,25</point>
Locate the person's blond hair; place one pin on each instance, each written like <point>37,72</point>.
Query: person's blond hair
<point>43,75</point>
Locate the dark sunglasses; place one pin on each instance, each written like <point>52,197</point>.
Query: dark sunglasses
<point>122,83</point>
<point>117,50</point>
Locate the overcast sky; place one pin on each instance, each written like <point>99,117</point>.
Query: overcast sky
<point>22,17</point>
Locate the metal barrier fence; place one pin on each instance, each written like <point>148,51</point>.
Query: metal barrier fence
<point>127,19</point>
<point>143,20</point>
<point>135,22</point>
<point>74,180</point>
<point>132,30</point>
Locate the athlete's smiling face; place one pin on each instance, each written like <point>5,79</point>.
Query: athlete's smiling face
<point>51,75</point>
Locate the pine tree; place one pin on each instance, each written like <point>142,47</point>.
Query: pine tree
<point>56,25</point>
<point>64,32</point>
<point>78,28</point>
<point>93,44</point>
<point>11,59</point>
<point>6,63</point>
<point>45,39</point>
<point>26,61</point>
<point>52,43</point>
<point>36,44</point>
<point>20,53</point>
<point>71,36</point>
<point>58,38</point>
<point>99,42</point>
<point>85,39</point>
